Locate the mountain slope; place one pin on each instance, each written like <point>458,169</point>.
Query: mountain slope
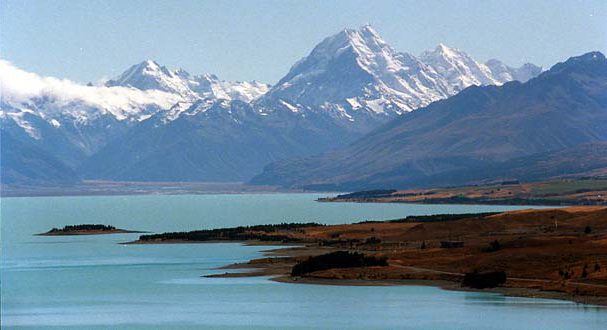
<point>26,163</point>
<point>480,127</point>
<point>223,141</point>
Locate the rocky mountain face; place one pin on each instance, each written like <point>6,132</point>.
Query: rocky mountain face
<point>156,124</point>
<point>515,131</point>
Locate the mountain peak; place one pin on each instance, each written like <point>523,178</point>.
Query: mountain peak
<point>355,72</point>
<point>149,75</point>
<point>446,51</point>
<point>364,37</point>
<point>368,30</point>
<point>181,73</point>
<point>150,63</point>
<point>150,67</point>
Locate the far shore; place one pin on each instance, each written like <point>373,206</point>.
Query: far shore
<point>569,192</point>
<point>127,188</point>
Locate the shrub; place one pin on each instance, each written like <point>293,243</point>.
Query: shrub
<point>484,280</point>
<point>339,259</point>
<point>372,240</point>
<point>493,246</point>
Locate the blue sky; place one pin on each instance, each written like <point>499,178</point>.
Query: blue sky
<point>255,39</point>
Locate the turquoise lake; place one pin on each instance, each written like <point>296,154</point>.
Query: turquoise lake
<point>94,282</point>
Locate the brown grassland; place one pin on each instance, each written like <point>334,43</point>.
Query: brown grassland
<point>559,253</point>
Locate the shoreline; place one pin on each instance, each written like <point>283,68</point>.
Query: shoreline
<point>551,253</point>
<point>598,302</point>
<point>276,273</point>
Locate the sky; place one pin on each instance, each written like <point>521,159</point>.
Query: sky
<point>261,39</point>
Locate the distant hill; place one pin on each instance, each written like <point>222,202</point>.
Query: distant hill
<point>552,125</point>
<point>27,164</point>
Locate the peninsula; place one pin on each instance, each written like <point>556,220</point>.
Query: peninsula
<point>556,253</point>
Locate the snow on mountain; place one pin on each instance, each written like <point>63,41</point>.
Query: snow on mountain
<point>59,100</point>
<point>504,73</point>
<point>346,73</point>
<point>134,96</point>
<point>149,75</point>
<point>460,70</point>
<point>356,74</point>
<point>208,85</point>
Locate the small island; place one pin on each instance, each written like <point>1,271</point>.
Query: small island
<point>86,229</point>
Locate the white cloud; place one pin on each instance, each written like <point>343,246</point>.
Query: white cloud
<point>18,86</point>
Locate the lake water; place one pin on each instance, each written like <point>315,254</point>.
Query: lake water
<point>93,282</point>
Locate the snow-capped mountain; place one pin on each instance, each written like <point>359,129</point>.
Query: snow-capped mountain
<point>461,71</point>
<point>149,75</point>
<point>503,72</point>
<point>67,119</point>
<point>355,74</point>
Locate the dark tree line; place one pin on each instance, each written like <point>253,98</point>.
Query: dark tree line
<point>82,227</point>
<point>259,232</point>
<point>339,259</point>
<point>484,280</point>
<point>368,194</point>
<point>437,217</point>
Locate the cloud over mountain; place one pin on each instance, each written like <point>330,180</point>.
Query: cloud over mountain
<point>19,86</point>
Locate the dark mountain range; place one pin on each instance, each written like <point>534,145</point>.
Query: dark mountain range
<point>24,163</point>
